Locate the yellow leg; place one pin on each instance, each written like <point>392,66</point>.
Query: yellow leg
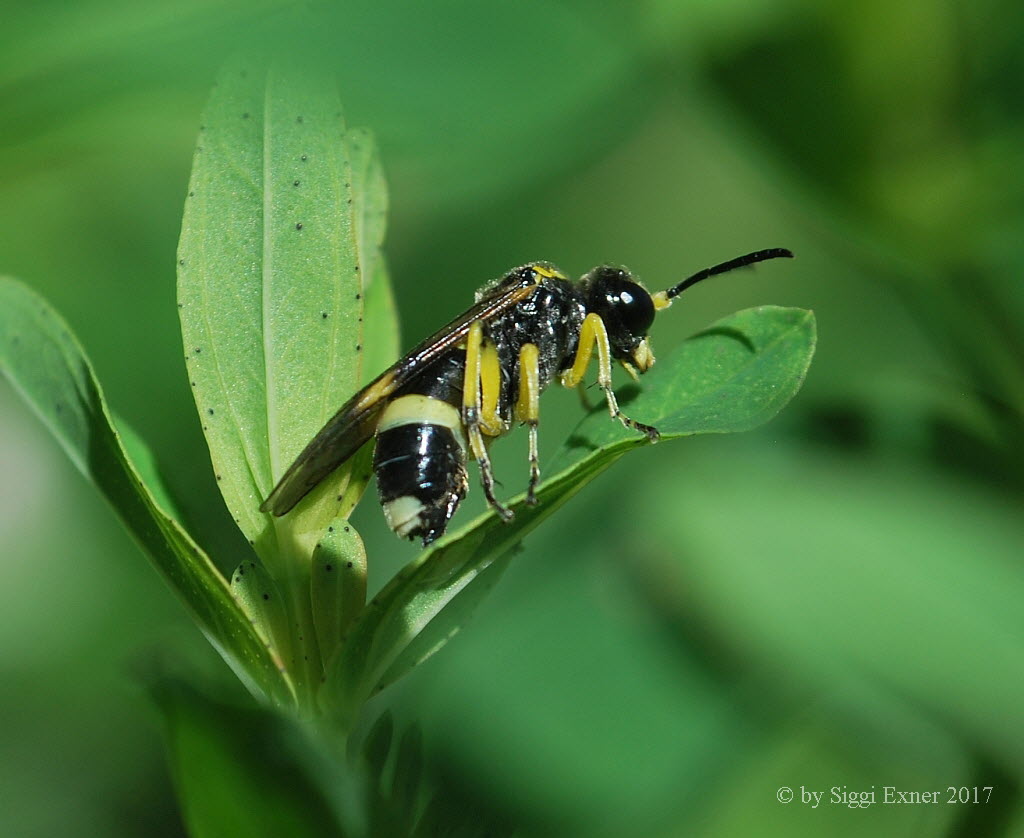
<point>528,410</point>
<point>490,391</point>
<point>593,333</point>
<point>476,392</point>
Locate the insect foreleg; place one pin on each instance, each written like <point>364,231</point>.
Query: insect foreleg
<point>594,333</point>
<point>474,400</point>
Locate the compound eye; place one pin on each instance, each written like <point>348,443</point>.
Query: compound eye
<point>632,305</point>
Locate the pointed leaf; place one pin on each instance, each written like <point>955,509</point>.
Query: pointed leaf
<point>246,772</point>
<point>337,585</point>
<point>46,364</point>
<point>263,601</point>
<point>733,376</point>
<point>278,234</point>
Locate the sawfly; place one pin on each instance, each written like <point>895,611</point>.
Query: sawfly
<point>463,387</point>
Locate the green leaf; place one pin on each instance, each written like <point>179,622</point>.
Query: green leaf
<point>282,228</point>
<point>869,569</point>
<point>263,601</point>
<point>733,376</point>
<point>248,772</point>
<point>47,366</point>
<point>337,582</point>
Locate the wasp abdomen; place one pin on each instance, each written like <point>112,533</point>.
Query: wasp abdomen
<point>420,463</point>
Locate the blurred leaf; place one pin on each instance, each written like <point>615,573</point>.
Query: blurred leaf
<point>377,744</point>
<point>733,376</point>
<point>246,772</point>
<point>536,75</point>
<point>844,568</point>
<point>48,367</point>
<point>280,232</point>
<point>811,757</point>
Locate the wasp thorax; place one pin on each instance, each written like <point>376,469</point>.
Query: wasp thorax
<point>624,305</point>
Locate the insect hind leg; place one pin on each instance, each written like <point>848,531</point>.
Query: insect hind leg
<point>473,400</point>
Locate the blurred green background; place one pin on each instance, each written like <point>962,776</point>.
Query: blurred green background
<point>835,600</point>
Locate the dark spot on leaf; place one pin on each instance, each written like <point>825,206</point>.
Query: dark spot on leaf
<point>245,115</point>
<point>298,119</point>
<point>359,347</point>
<point>266,596</point>
<point>241,570</point>
<point>191,194</point>
<point>348,185</point>
<point>303,158</point>
<point>330,529</point>
<point>359,296</point>
<point>323,314</point>
<point>328,567</point>
<point>298,226</point>
<point>252,565</point>
<point>181,305</point>
<point>192,382</point>
<point>210,411</point>
<point>181,261</point>
<point>198,148</point>
<point>199,349</point>
<point>340,497</point>
<point>348,564</point>
<point>349,201</point>
<point>357,268</point>
<point>295,183</point>
<point>346,529</point>
<point>220,477</point>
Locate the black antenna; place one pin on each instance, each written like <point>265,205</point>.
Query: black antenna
<point>731,265</point>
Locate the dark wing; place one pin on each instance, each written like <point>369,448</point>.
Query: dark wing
<point>356,420</point>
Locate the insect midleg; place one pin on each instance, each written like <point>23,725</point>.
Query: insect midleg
<point>528,409</point>
<point>472,406</point>
<point>593,333</point>
<point>490,391</point>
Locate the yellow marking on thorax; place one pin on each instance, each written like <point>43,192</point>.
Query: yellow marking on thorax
<point>547,273</point>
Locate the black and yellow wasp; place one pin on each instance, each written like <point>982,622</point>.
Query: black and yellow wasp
<point>465,385</point>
